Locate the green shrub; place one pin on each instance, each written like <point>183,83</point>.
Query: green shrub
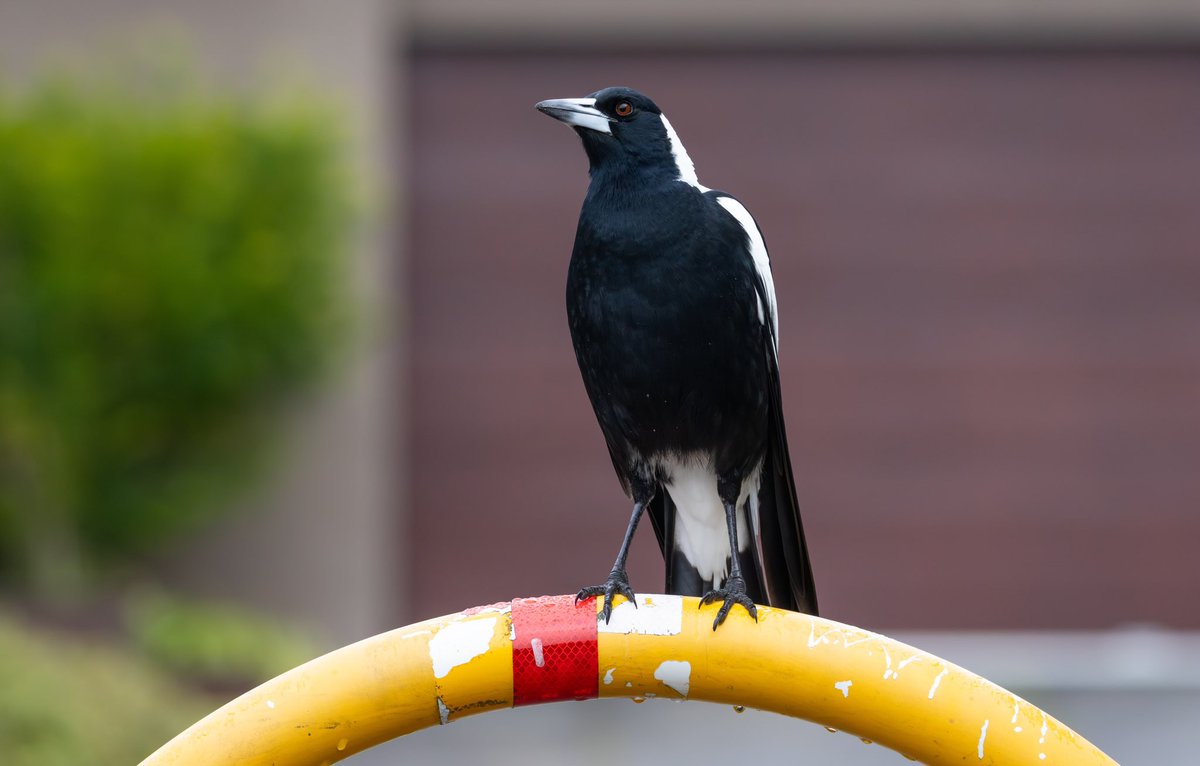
<point>67,702</point>
<point>170,275</point>
<point>214,643</point>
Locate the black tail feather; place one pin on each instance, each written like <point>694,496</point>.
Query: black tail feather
<point>786,563</point>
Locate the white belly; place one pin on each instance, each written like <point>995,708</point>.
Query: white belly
<point>700,531</point>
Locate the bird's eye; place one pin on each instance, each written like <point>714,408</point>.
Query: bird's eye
<point>624,109</point>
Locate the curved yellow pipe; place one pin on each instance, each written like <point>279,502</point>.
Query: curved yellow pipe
<point>436,671</point>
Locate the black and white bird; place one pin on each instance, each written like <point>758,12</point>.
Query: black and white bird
<point>672,313</point>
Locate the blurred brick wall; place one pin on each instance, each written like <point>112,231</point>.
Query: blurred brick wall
<point>988,268</point>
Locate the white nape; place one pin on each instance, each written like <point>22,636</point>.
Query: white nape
<point>687,170</point>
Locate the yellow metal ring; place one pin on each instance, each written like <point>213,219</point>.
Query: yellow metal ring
<point>833,674</point>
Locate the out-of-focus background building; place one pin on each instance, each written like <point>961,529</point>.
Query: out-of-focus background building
<point>984,222</point>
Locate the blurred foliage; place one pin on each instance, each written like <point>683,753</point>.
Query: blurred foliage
<point>68,702</point>
<point>170,274</point>
<point>216,643</point>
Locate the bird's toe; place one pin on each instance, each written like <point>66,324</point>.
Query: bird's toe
<point>590,591</point>
<point>616,584</point>
<point>733,594</point>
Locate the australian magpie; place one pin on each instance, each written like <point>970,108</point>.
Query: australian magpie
<point>672,313</point>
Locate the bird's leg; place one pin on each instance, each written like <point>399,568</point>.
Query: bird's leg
<point>733,590</point>
<point>618,580</point>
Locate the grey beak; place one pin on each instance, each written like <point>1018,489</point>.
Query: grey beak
<point>577,112</point>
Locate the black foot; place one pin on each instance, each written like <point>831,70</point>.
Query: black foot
<point>617,582</point>
<point>734,592</point>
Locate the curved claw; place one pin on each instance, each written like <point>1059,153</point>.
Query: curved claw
<point>588,592</point>
<point>617,583</point>
<point>733,593</point>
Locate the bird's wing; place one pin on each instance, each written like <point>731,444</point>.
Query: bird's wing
<point>768,312</point>
<point>780,550</point>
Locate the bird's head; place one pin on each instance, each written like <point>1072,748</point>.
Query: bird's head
<point>622,130</point>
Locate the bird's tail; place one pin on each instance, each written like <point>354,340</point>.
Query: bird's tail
<point>785,569</point>
<point>683,579</point>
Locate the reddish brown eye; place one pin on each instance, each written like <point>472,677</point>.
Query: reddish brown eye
<point>624,109</point>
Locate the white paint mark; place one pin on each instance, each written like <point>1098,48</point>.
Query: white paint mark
<point>608,676</point>
<point>1045,727</point>
<point>675,674</point>
<point>1017,729</point>
<point>1016,710</point>
<point>762,262</point>
<point>683,163</point>
<point>443,712</point>
<point>657,616</point>
<point>629,684</point>
<point>844,687</point>
<point>1041,756</point>
<point>908,662</point>
<point>905,663</point>
<point>887,673</point>
<point>539,659</point>
<point>271,704</point>
<point>982,737</point>
<point>936,681</point>
<point>814,639</point>
<point>414,634</point>
<point>848,637</point>
<point>460,642</point>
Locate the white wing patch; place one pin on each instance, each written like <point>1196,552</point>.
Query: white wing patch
<point>762,263</point>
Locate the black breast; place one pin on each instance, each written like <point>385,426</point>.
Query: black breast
<point>664,318</point>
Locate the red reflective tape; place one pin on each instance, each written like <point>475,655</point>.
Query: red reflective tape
<point>554,650</point>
